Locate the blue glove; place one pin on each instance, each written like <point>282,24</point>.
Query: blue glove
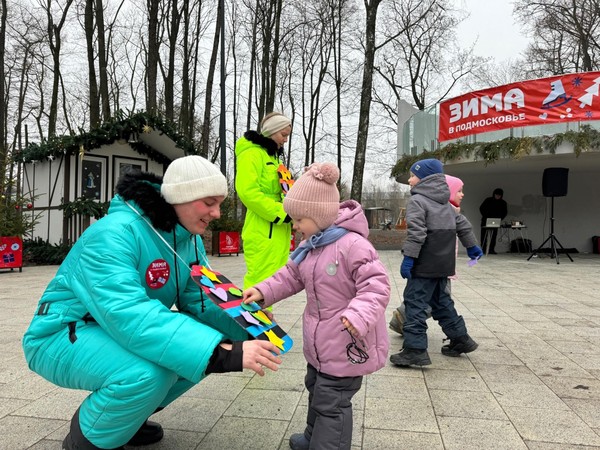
<point>405,268</point>
<point>474,252</point>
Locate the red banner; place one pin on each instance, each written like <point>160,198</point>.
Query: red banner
<point>563,98</point>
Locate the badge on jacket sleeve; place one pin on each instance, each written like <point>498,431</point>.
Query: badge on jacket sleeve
<point>157,274</point>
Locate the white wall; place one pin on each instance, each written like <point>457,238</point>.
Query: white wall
<point>45,180</point>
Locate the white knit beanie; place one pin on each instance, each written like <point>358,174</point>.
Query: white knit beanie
<point>190,178</point>
<point>314,195</point>
<point>274,122</point>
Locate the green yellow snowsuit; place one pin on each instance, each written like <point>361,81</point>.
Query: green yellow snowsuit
<point>267,230</point>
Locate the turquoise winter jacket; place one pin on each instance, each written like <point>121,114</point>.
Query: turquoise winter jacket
<point>121,274</point>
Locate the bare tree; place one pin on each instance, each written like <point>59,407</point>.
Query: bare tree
<point>152,56</point>
<point>3,107</point>
<point>205,133</point>
<point>94,96</point>
<point>371,7</point>
<point>565,35</point>
<point>54,43</point>
<point>172,35</point>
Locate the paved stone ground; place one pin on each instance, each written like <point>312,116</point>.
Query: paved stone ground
<point>534,382</point>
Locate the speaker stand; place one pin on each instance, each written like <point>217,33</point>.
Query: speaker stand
<point>552,239</point>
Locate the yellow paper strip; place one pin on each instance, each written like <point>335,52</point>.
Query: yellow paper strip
<point>274,339</point>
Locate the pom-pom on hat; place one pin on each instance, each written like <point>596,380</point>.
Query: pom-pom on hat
<point>190,178</point>
<point>426,167</point>
<point>274,122</point>
<point>314,195</point>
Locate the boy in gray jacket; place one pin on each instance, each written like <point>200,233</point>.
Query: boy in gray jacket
<point>429,258</point>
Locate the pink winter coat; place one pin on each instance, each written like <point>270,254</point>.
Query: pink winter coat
<point>358,289</point>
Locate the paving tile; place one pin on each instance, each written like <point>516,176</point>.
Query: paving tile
<point>282,380</point>
<point>526,396</point>
<point>455,380</point>
<point>552,426</point>
<point>406,388</point>
<point>234,434</point>
<point>499,373</point>
<point>575,347</point>
<point>22,432</point>
<point>460,433</point>
<point>219,386</point>
<point>587,409</point>
<point>466,404</point>
<point>190,414</point>
<point>533,445</point>
<point>568,387</point>
<point>265,404</point>
<point>400,414</point>
<point>400,440</point>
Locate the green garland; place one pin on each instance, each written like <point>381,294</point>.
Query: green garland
<point>585,140</point>
<point>85,207</point>
<point>119,127</point>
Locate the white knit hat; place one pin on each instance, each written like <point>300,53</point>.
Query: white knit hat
<point>274,122</point>
<point>190,178</point>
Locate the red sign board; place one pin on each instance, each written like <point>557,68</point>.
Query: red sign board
<point>11,252</point>
<point>229,242</point>
<point>563,98</point>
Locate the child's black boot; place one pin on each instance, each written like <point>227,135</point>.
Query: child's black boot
<point>411,357</point>
<point>459,345</point>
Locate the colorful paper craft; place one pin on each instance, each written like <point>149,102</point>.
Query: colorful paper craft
<point>206,281</point>
<point>252,307</point>
<point>235,291</point>
<point>261,316</point>
<point>209,274</point>
<point>250,318</point>
<point>222,292</point>
<point>285,179</point>
<point>219,292</point>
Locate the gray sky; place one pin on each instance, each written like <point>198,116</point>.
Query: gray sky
<point>491,23</point>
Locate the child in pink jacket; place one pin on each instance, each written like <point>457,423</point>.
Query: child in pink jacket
<point>347,290</point>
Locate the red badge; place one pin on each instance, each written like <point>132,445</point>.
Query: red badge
<point>157,274</point>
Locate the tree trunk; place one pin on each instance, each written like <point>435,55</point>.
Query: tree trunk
<point>252,66</point>
<point>170,78</point>
<point>54,41</point>
<point>3,101</point>
<point>365,100</point>
<point>204,137</point>
<point>270,100</point>
<point>102,60</point>
<point>94,99</point>
<point>152,57</point>
<point>184,113</point>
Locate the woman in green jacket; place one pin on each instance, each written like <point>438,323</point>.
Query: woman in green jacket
<point>261,182</point>
<point>106,322</point>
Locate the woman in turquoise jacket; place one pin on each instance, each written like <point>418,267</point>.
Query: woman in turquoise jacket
<point>261,182</point>
<point>123,319</point>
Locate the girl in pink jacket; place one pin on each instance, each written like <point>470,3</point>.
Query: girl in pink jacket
<point>347,290</point>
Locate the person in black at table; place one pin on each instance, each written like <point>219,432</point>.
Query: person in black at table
<point>492,207</point>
